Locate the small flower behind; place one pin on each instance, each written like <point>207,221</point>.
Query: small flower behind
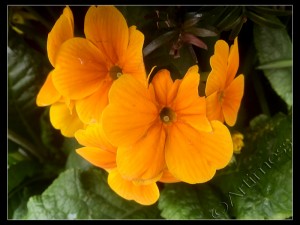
<point>224,92</point>
<point>63,115</point>
<point>238,142</point>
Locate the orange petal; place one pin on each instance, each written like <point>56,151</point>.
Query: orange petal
<point>167,177</point>
<point>62,30</point>
<point>132,61</point>
<point>217,77</point>
<point>61,119</point>
<point>93,136</point>
<point>80,69</point>
<point>130,112</point>
<point>143,194</point>
<point>185,154</point>
<point>216,146</point>
<point>106,27</point>
<point>98,157</point>
<point>214,107</point>
<point>232,100</point>
<point>48,93</point>
<point>189,107</point>
<point>90,108</point>
<point>162,83</point>
<point>233,62</point>
<point>146,156</point>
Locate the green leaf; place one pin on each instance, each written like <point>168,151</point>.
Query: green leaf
<point>27,69</point>
<point>20,171</point>
<point>268,10</point>
<point>230,17</point>
<point>261,186</point>
<point>275,45</point>
<point>52,138</point>
<point>76,161</point>
<point>78,194</point>
<point>236,28</point>
<point>135,15</point>
<point>276,65</point>
<point>184,201</point>
<point>17,200</point>
<point>15,153</point>
<point>264,20</point>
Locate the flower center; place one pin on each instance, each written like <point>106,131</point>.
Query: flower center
<point>115,72</point>
<point>167,115</point>
<point>221,96</point>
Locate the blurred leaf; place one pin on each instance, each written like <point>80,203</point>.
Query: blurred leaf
<point>25,178</point>
<point>17,201</point>
<point>256,122</point>
<point>184,201</point>
<point>201,32</point>
<point>185,61</point>
<point>17,204</point>
<point>75,161</point>
<point>262,186</point>
<point>275,45</point>
<point>193,19</point>
<point>69,145</point>
<point>78,194</point>
<point>23,143</point>
<point>268,10</point>
<point>231,15</point>
<point>161,40</point>
<point>276,65</point>
<point>20,171</point>
<point>15,153</point>
<point>26,71</point>
<point>136,15</point>
<point>264,20</point>
<point>236,28</point>
<point>52,139</point>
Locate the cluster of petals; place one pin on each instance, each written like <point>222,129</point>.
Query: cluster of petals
<point>140,132</point>
<point>156,133</point>
<point>85,68</point>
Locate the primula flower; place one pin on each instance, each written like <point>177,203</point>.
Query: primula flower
<point>87,67</point>
<point>99,152</point>
<point>62,115</point>
<point>224,92</point>
<point>163,127</point>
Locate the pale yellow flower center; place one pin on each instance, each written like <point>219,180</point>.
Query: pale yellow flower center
<point>115,72</point>
<point>238,143</point>
<point>167,115</point>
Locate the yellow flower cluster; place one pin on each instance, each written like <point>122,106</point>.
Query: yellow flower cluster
<point>141,133</point>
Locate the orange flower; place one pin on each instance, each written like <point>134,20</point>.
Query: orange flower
<point>224,92</point>
<point>164,127</point>
<point>87,67</point>
<point>101,153</point>
<point>62,115</point>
